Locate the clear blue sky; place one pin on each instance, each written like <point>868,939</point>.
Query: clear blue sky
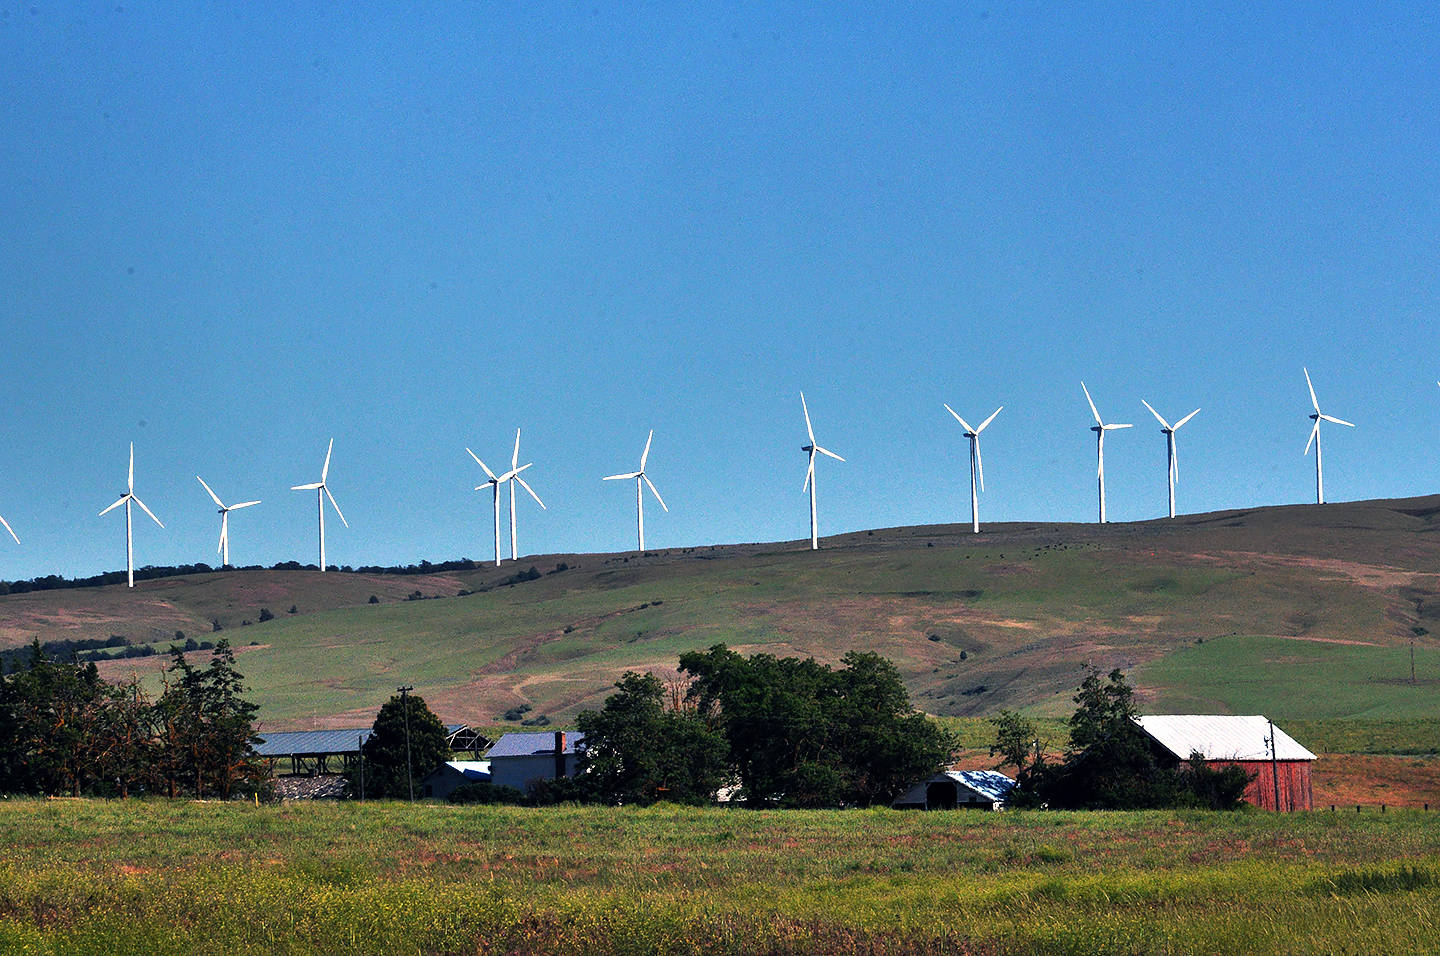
<point>229,232</point>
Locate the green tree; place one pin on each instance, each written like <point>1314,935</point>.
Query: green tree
<point>802,734</point>
<point>384,752</point>
<point>1015,740</point>
<point>207,727</point>
<point>638,751</point>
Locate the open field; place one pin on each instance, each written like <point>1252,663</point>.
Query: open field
<point>1300,612</point>
<point>184,877</point>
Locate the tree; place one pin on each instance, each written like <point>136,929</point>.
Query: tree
<point>802,734</point>
<point>638,751</point>
<point>384,753</point>
<point>207,727</point>
<point>1015,740</point>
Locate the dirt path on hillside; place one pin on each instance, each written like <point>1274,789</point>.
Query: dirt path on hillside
<point>1366,575</point>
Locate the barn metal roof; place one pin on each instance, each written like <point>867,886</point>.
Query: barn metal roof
<point>304,743</point>
<point>990,784</point>
<point>1221,737</point>
<point>532,744</point>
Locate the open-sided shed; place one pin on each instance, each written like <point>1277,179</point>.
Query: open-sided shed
<point>1278,765</point>
<point>957,790</point>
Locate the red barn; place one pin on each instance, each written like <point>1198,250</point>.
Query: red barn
<point>1242,742</point>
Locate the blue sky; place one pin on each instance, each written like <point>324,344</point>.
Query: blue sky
<point>231,232</point>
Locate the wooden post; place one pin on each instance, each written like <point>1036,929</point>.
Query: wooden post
<point>1274,765</point>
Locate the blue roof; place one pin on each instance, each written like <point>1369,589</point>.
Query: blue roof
<point>533,744</point>
<point>304,743</point>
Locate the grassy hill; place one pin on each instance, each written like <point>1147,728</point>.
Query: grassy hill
<point>1301,612</point>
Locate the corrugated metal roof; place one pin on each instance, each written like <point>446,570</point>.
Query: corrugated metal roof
<point>533,744</point>
<point>1221,737</point>
<point>991,784</point>
<point>287,743</point>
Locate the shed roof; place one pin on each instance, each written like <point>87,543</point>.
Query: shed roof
<point>1221,737</point>
<point>469,769</point>
<point>304,743</point>
<point>991,784</point>
<point>533,744</point>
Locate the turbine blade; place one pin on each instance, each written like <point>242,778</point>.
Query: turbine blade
<point>114,506</point>
<point>979,462</point>
<point>1338,421</point>
<point>646,453</point>
<point>532,492</point>
<point>1100,453</point>
<point>1174,458</point>
<point>808,430</point>
<point>325,471</point>
<point>1093,410</point>
<point>989,420</point>
<point>809,472</point>
<point>224,533</point>
<point>1313,433</point>
<point>655,491</point>
<point>826,451</point>
<point>1116,425</point>
<point>482,465</point>
<point>1163,422</point>
<point>243,504</point>
<point>1186,419</point>
<point>147,511</point>
<point>633,474</point>
<point>310,487</point>
<point>1313,400</point>
<point>214,497</point>
<point>963,423</point>
<point>334,505</point>
<point>9,529</point>
<point>515,455</point>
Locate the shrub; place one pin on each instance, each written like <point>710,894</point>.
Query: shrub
<point>483,791</point>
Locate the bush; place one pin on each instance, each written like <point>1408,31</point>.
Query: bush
<point>265,615</point>
<point>483,791</point>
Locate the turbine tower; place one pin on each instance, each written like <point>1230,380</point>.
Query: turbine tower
<point>512,476</point>
<point>1317,418</point>
<point>811,449</point>
<point>640,477</point>
<point>494,483</point>
<point>125,500</point>
<point>977,465</point>
<point>1100,428</point>
<point>1169,431</point>
<point>322,491</point>
<point>225,510</point>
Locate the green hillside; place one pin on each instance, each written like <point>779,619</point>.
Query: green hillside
<point>1298,612</point>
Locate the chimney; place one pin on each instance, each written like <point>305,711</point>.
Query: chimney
<point>559,754</point>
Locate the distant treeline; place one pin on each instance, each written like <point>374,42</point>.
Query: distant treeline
<point>93,649</point>
<point>55,582</point>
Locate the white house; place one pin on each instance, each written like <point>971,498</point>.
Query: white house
<point>521,759</point>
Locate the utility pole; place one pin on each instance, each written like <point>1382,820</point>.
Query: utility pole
<point>405,705</point>
<point>1274,764</point>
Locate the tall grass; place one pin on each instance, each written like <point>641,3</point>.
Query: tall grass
<point>162,877</point>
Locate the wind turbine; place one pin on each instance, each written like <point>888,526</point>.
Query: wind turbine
<point>512,476</point>
<point>322,491</point>
<point>9,529</point>
<point>125,500</point>
<point>812,448</point>
<point>494,484</point>
<point>977,466</point>
<point>640,477</point>
<point>225,510</point>
<point>1169,431</point>
<point>1318,417</point>
<point>1100,428</point>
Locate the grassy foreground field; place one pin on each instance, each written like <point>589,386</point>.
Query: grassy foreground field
<point>185,877</point>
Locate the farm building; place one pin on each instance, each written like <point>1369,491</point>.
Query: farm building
<point>957,790</point>
<point>520,759</point>
<point>311,751</point>
<point>439,783</point>
<point>1281,776</point>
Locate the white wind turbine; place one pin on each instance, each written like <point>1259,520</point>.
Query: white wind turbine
<point>812,448</point>
<point>125,500</point>
<point>494,484</point>
<point>1100,428</point>
<point>9,529</point>
<point>640,477</point>
<point>977,465</point>
<point>1169,431</point>
<point>1318,417</point>
<point>225,510</point>
<point>322,491</point>
<point>512,476</point>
